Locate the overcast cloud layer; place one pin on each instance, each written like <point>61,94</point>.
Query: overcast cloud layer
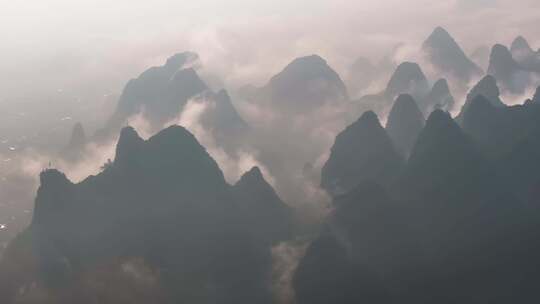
<point>93,47</point>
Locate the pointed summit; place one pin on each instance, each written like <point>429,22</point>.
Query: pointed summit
<point>53,196</point>
<point>78,136</point>
<point>482,122</point>
<point>128,146</point>
<point>439,97</point>
<point>443,154</point>
<point>440,136</point>
<point>408,78</point>
<point>440,122</point>
<point>446,55</point>
<point>520,45</point>
<point>501,61</point>
<point>404,123</point>
<point>183,85</point>
<point>254,175</point>
<point>440,33</point>
<point>362,152</point>
<point>486,87</point>
<point>74,150</point>
<point>304,84</point>
<point>160,91</point>
<point>527,58</point>
<point>272,219</point>
<point>180,61</point>
<point>507,71</point>
<point>220,118</point>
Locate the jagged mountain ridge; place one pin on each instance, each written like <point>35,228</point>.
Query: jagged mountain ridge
<point>303,85</point>
<point>449,223</point>
<point>165,200</point>
<point>363,151</point>
<point>447,56</point>
<point>160,94</point>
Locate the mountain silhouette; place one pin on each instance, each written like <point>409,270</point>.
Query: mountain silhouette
<point>527,58</point>
<point>164,200</point>
<point>74,149</point>
<point>408,78</point>
<point>362,152</point>
<point>486,87</point>
<point>160,92</point>
<point>448,57</point>
<point>303,85</point>
<point>520,45</point>
<point>272,218</point>
<point>497,130</point>
<point>221,119</point>
<point>404,123</point>
<point>439,97</point>
<point>507,71</point>
<point>450,182</point>
<point>444,156</point>
<point>445,231</point>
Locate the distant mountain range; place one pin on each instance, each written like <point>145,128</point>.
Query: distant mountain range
<point>424,207</point>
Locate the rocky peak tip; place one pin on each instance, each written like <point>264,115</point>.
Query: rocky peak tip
<point>405,99</point>
<point>408,65</point>
<point>439,30</point>
<point>174,130</point>
<point>309,60</point>
<point>52,176</point>
<point>409,69</point>
<point>78,126</point>
<point>520,43</point>
<point>441,83</point>
<point>439,116</point>
<point>500,50</point>
<point>486,85</point>
<point>369,117</point>
<point>175,134</point>
<point>179,60</point>
<point>128,142</point>
<point>128,132</point>
<point>254,172</point>
<point>78,136</point>
<point>488,80</point>
<point>313,57</point>
<point>252,177</point>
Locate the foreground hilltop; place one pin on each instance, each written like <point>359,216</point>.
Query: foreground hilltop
<point>455,223</point>
<point>163,200</point>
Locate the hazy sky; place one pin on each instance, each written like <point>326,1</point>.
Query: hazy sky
<point>100,43</point>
